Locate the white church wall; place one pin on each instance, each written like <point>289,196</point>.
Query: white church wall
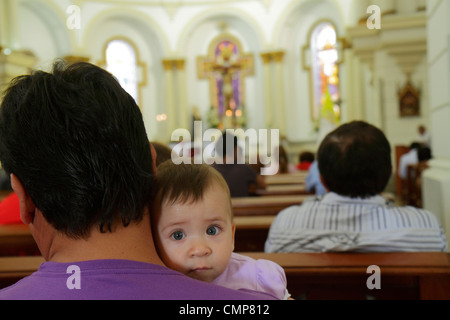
<point>436,180</point>
<point>299,19</point>
<point>138,30</point>
<point>44,33</point>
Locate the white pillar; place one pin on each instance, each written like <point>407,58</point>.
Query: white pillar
<point>169,94</point>
<point>267,90</point>
<point>181,104</point>
<point>436,180</point>
<point>279,92</point>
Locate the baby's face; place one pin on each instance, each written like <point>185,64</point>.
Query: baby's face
<point>197,238</point>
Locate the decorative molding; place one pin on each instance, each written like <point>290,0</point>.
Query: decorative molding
<point>408,53</point>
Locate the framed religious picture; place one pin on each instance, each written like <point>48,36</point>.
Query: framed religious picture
<point>409,101</point>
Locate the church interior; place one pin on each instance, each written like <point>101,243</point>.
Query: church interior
<point>298,66</point>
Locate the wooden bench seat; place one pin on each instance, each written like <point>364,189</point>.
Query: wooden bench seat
<point>16,240</point>
<point>264,206</point>
<point>418,275</point>
<point>286,178</point>
<point>410,276</point>
<point>12,269</point>
<point>251,232</point>
<point>282,190</point>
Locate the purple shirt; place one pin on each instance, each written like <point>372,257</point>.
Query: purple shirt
<point>117,279</point>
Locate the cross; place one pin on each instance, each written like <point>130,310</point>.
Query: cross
<point>225,68</point>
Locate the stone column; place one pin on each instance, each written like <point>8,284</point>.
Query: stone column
<point>267,89</point>
<point>279,92</point>
<point>181,103</point>
<point>170,94</point>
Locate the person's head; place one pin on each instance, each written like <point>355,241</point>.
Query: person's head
<point>227,146</point>
<point>421,129</point>
<point>75,141</point>
<point>306,156</point>
<point>163,152</point>
<point>193,220</point>
<point>282,160</point>
<point>355,160</point>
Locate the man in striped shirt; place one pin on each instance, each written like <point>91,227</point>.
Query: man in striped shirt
<point>355,166</point>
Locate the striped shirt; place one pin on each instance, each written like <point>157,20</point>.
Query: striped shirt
<point>336,223</point>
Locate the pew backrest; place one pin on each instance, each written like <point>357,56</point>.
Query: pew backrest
<point>417,275</point>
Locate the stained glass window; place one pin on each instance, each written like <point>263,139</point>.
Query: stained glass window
<point>121,62</point>
<point>325,71</point>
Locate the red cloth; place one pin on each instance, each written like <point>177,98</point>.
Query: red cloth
<point>303,166</point>
<point>9,210</point>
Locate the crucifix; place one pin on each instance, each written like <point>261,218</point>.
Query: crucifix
<point>226,68</point>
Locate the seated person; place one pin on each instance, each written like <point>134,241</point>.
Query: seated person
<point>242,180</point>
<point>194,231</point>
<point>407,159</point>
<point>355,165</point>
<point>313,182</point>
<point>305,158</point>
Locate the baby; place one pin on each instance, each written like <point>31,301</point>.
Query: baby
<point>194,231</point>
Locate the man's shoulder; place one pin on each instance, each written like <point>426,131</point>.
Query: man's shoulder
<point>110,280</point>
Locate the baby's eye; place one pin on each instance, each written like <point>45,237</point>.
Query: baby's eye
<point>178,235</point>
<point>212,231</point>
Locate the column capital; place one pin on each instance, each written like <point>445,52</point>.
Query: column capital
<point>179,63</point>
<point>266,57</point>
<point>167,64</point>
<point>278,56</point>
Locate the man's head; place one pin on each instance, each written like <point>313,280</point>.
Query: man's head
<point>355,160</point>
<point>77,143</point>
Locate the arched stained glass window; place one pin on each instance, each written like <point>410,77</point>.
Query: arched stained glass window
<point>121,62</point>
<point>325,72</point>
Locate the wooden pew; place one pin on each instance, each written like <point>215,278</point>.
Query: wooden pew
<point>286,178</point>
<point>410,276</point>
<point>251,233</point>
<point>413,194</point>
<point>4,194</point>
<point>282,190</point>
<point>16,240</point>
<point>264,206</point>
<point>400,187</point>
<point>12,269</point>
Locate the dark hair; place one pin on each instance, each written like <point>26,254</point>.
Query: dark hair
<point>186,183</point>
<point>424,154</point>
<point>306,156</point>
<point>355,160</point>
<point>226,144</point>
<point>415,145</point>
<point>77,142</point>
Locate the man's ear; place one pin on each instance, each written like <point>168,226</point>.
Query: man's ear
<point>26,204</point>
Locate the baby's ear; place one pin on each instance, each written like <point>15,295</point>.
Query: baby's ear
<point>26,204</point>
